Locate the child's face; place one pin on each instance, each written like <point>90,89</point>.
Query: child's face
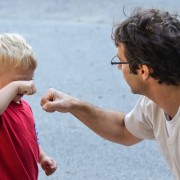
<point>18,74</point>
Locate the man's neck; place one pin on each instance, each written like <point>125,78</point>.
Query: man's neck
<point>167,97</point>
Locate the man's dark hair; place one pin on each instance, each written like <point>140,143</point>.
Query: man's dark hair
<point>152,37</point>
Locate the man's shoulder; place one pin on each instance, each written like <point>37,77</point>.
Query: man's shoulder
<point>148,106</point>
<point>146,101</point>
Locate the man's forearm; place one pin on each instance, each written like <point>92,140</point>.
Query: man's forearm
<point>108,124</point>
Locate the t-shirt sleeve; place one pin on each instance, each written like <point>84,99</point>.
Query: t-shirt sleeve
<point>137,121</point>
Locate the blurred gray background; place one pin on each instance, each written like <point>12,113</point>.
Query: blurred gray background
<point>72,41</point>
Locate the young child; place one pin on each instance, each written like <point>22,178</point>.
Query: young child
<point>20,152</point>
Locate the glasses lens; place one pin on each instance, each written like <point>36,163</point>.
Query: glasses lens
<point>115,60</point>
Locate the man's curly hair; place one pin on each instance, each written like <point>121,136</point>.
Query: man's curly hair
<point>152,37</point>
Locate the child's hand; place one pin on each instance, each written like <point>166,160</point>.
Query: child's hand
<point>48,165</point>
<point>25,87</point>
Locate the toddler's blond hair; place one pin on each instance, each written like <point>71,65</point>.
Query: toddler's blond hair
<point>15,52</point>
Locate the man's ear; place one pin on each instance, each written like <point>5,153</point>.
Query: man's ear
<point>144,71</point>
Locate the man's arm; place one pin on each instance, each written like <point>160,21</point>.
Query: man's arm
<point>108,124</point>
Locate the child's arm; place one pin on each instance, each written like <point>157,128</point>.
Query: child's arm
<point>48,164</point>
<point>8,92</point>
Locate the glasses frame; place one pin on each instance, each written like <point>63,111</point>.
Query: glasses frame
<point>120,62</point>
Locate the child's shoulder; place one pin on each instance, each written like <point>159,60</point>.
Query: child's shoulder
<point>24,103</point>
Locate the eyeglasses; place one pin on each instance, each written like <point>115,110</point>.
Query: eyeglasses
<point>117,60</point>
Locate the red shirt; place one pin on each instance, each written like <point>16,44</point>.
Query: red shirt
<point>19,150</point>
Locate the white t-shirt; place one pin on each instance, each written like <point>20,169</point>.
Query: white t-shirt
<point>170,124</point>
<point>148,121</point>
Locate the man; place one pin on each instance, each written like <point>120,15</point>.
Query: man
<point>148,52</point>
